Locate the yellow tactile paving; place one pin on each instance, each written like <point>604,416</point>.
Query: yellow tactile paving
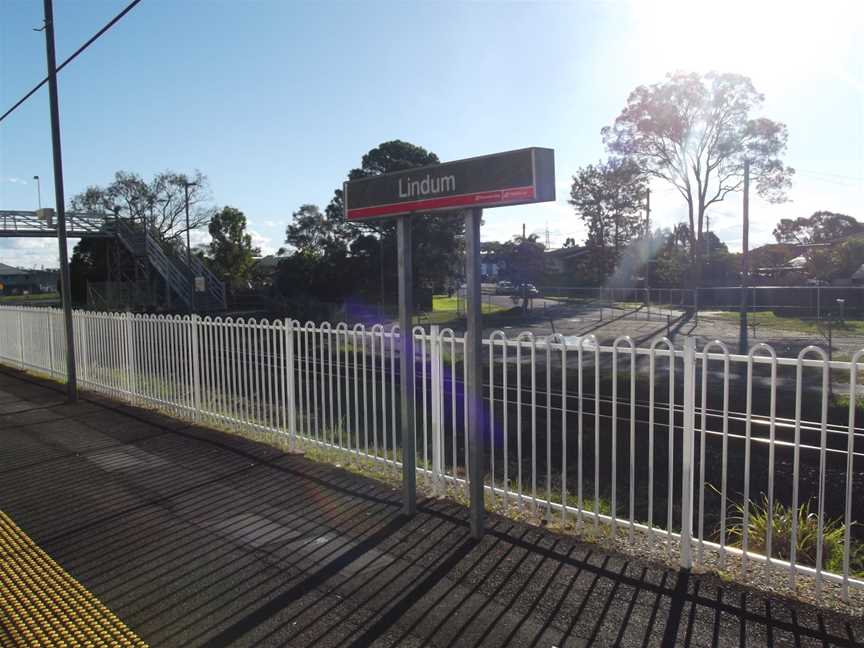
<point>42,605</point>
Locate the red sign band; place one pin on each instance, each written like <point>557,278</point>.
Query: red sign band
<point>482,199</point>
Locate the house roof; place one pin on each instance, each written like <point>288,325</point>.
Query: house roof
<point>566,252</point>
<point>798,262</point>
<point>7,270</point>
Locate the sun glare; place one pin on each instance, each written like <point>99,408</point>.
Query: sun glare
<point>775,43</point>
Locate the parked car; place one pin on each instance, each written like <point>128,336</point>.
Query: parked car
<point>530,288</point>
<point>505,288</point>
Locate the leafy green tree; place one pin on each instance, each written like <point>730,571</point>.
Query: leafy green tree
<point>230,252</point>
<point>721,266</point>
<point>437,239</point>
<point>831,262</point>
<point>671,264</point>
<point>314,233</point>
<point>334,260</point>
<point>695,132</point>
<point>608,197</point>
<point>523,262</point>
<point>89,263</point>
<point>821,227</point>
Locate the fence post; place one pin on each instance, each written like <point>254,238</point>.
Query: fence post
<point>84,356</point>
<point>131,372</point>
<point>687,452</point>
<point>290,402</point>
<point>48,311</point>
<point>20,339</point>
<point>196,367</point>
<point>437,402</point>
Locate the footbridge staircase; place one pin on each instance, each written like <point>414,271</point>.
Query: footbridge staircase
<point>194,286</point>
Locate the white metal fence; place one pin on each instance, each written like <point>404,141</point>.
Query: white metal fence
<point>690,446</point>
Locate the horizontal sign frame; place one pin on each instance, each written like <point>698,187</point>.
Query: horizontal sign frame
<point>497,180</point>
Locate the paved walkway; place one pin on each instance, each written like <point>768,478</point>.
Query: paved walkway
<point>192,537</point>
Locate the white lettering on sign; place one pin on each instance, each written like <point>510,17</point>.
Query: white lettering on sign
<point>427,186</point>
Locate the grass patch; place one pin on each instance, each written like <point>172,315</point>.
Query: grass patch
<point>794,324</point>
<point>841,399</point>
<point>445,309</point>
<point>23,299</point>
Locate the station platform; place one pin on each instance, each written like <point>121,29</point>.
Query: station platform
<point>125,527</point>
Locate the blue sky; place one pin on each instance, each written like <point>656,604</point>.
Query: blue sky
<point>275,101</point>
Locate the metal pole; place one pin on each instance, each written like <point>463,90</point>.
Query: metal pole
<point>406,365</point>
<point>65,283</point>
<point>649,261</point>
<point>474,384</point>
<point>648,211</point>
<point>745,260</point>
<point>686,557</point>
<point>818,303</point>
<point>38,192</point>
<point>186,186</point>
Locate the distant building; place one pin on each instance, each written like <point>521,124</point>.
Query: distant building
<point>560,263</point>
<point>19,281</point>
<point>491,265</point>
<point>265,270</point>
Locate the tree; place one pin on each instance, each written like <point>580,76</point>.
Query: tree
<point>523,262</point>
<point>608,197</point>
<point>694,132</point>
<point>671,263</point>
<point>311,232</point>
<point>437,239</point>
<point>831,262</point>
<point>821,227</point>
<point>89,263</point>
<point>159,203</point>
<point>333,259</point>
<point>230,252</point>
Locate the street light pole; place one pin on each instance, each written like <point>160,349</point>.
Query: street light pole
<point>38,192</point>
<point>60,200</point>
<point>186,186</point>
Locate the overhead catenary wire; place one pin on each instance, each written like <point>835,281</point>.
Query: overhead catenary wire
<point>74,55</point>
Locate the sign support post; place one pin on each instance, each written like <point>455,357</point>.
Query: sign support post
<point>406,365</point>
<point>474,385</point>
<point>498,180</point>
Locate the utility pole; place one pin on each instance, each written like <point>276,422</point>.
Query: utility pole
<point>707,238</point>
<point>648,212</point>
<point>745,260</point>
<point>59,198</point>
<point>523,288</point>
<point>648,264</point>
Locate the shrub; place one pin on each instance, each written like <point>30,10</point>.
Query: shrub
<point>780,521</point>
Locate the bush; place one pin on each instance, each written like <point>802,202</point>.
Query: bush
<point>780,520</point>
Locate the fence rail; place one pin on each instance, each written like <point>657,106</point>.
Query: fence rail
<point>694,447</point>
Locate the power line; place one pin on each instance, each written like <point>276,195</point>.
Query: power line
<point>108,26</point>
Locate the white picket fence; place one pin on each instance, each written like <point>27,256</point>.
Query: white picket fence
<point>639,440</point>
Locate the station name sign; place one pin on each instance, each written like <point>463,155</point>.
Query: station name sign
<point>511,178</point>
